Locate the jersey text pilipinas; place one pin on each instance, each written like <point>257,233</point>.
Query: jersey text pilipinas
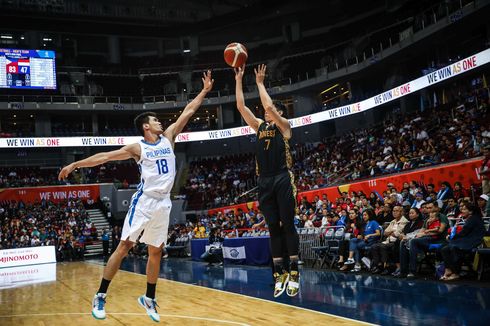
<point>157,167</point>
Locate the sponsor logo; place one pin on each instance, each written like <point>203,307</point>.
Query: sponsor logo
<point>234,253</point>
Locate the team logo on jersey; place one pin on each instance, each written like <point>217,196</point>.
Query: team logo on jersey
<point>267,134</point>
<point>159,152</point>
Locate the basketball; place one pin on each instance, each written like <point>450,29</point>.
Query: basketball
<point>235,54</point>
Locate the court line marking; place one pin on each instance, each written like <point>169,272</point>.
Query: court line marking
<point>249,297</point>
<point>127,314</point>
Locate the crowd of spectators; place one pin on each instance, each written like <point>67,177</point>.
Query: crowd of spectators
<point>323,212</point>
<point>440,134</point>
<point>66,226</point>
<point>436,135</point>
<point>122,174</point>
<point>388,231</point>
<point>218,181</point>
<point>26,177</point>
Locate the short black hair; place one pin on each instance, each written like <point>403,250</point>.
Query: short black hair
<point>281,107</point>
<point>141,119</point>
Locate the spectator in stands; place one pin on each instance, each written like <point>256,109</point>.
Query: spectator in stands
<point>445,192</point>
<point>452,209</point>
<point>308,218</point>
<point>325,216</point>
<point>409,232</point>
<point>459,243</point>
<point>419,200</point>
<point>93,232</point>
<point>380,251</point>
<point>199,231</point>
<point>116,237</point>
<point>459,191</point>
<point>433,231</point>
<point>105,243</point>
<point>385,216</point>
<point>485,170</point>
<point>406,196</point>
<point>413,188</point>
<point>304,204</point>
<point>354,226</point>
<point>368,237</point>
<point>482,202</point>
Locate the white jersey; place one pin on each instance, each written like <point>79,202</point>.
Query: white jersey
<point>157,168</point>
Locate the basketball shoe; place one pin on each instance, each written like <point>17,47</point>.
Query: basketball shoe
<point>281,281</point>
<point>98,303</point>
<point>151,307</point>
<point>293,284</point>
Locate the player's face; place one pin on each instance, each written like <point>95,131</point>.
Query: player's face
<point>155,125</point>
<point>268,117</point>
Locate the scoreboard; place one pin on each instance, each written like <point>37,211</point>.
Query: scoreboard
<point>31,69</point>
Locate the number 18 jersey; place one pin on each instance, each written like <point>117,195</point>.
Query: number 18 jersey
<point>157,168</point>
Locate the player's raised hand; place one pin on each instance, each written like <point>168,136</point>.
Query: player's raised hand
<point>66,171</point>
<point>239,72</point>
<point>260,73</point>
<point>207,81</point>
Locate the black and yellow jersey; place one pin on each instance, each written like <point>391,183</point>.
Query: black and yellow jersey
<point>273,154</point>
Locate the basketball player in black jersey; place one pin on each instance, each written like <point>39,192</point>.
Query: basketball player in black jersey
<point>277,193</point>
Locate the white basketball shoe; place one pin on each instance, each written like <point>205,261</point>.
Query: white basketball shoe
<point>151,307</point>
<point>98,303</point>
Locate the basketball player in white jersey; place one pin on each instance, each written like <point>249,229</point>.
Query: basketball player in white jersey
<point>150,205</point>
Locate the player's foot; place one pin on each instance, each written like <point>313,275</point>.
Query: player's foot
<point>293,284</point>
<point>98,303</point>
<point>151,307</point>
<point>281,281</point>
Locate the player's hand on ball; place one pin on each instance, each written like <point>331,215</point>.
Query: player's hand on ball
<point>239,72</point>
<point>260,73</point>
<point>207,81</point>
<point>66,171</point>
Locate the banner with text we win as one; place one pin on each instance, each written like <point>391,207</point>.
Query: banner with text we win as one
<point>53,194</point>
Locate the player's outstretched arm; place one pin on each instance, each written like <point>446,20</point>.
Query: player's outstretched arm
<point>265,99</point>
<point>124,153</point>
<point>247,115</point>
<point>176,128</point>
<point>281,122</point>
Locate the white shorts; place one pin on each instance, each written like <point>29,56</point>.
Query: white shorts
<point>150,216</point>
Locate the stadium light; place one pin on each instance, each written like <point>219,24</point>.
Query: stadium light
<point>323,92</point>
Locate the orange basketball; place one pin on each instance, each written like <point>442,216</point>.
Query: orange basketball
<point>235,55</point>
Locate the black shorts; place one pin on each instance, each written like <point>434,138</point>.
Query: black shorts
<point>277,198</point>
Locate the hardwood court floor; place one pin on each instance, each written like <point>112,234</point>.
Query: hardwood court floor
<point>67,301</point>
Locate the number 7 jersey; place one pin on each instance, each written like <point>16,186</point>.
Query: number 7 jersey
<point>272,151</point>
<point>157,168</point>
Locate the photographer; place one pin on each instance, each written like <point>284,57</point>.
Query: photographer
<point>215,253</point>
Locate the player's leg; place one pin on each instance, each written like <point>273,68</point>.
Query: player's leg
<point>269,207</point>
<point>285,192</point>
<point>155,236</point>
<point>110,270</point>
<point>148,300</point>
<point>134,223</point>
<point>153,268</point>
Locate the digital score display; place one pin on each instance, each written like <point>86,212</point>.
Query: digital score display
<point>28,69</point>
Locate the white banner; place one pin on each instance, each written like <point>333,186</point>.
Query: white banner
<point>234,252</point>
<point>23,275</point>
<point>462,66</point>
<point>27,256</point>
